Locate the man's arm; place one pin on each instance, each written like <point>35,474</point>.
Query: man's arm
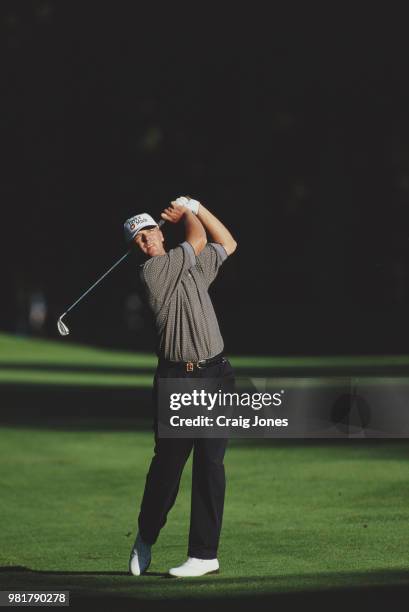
<point>162,273</point>
<point>217,231</point>
<point>194,231</point>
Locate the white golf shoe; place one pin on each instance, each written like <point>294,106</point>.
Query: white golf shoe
<point>140,558</point>
<point>195,567</point>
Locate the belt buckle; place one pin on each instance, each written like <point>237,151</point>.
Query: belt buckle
<point>189,366</point>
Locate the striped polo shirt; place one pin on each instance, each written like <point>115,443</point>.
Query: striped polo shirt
<point>176,286</point>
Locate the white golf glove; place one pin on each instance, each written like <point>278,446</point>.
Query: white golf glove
<point>192,205</point>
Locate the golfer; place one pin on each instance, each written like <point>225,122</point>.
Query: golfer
<point>189,344</point>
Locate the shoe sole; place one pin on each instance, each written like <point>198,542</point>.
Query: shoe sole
<point>206,574</point>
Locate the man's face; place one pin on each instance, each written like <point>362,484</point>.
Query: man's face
<point>150,241</point>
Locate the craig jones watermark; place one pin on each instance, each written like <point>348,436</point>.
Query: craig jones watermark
<point>223,421</point>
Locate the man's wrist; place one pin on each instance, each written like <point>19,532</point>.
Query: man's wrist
<point>193,205</point>
<point>189,203</point>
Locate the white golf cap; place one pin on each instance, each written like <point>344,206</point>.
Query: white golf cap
<point>134,225</point>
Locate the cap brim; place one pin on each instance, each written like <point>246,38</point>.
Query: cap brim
<point>141,227</point>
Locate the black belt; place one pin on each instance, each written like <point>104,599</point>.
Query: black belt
<point>190,365</point>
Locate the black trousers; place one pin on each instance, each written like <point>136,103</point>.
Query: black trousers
<point>208,475</point>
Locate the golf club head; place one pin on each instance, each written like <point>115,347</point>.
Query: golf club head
<point>62,328</point>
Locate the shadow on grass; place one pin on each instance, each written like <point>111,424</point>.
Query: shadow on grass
<point>22,568</point>
<point>72,408</point>
<point>75,407</point>
<point>81,368</point>
<point>376,590</point>
<point>241,370</point>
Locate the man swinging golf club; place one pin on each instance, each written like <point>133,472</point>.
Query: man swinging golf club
<point>189,344</point>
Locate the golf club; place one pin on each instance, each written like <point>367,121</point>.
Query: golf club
<point>61,326</point>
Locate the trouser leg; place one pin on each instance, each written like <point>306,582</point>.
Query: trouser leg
<point>162,485</point>
<point>163,477</point>
<point>208,490</point>
<point>208,480</point>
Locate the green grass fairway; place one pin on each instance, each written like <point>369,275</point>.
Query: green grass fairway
<point>306,522</point>
<point>298,517</point>
<point>26,361</point>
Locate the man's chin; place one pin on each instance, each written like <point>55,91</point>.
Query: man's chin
<point>152,252</point>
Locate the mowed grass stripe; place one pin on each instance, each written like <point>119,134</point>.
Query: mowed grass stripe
<point>22,350</point>
<point>243,384</point>
<point>44,377</point>
<point>16,350</point>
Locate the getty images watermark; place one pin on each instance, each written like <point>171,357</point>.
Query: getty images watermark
<point>328,407</point>
<point>200,398</point>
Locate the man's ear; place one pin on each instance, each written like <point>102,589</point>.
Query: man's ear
<point>161,236</point>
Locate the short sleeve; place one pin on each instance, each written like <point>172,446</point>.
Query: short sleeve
<point>162,274</point>
<point>210,260</point>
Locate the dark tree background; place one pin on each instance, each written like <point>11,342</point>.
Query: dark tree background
<point>293,128</point>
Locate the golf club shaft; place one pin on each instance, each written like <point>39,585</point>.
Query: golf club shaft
<point>97,282</point>
<point>161,222</point>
